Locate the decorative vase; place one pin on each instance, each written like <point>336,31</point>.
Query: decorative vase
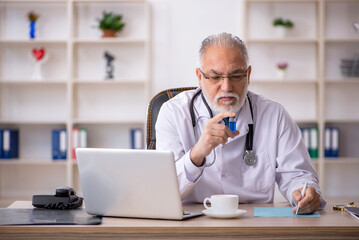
<point>32,29</point>
<point>108,33</point>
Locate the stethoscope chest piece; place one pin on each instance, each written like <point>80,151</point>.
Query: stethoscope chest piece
<point>249,158</point>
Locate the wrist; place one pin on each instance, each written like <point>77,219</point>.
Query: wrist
<point>197,159</point>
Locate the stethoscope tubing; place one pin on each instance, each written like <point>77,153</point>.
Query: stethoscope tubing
<point>249,137</point>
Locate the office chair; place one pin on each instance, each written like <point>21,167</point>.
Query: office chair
<point>153,110</point>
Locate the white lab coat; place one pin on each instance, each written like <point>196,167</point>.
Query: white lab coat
<point>281,154</point>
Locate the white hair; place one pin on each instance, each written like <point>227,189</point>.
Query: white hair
<point>223,40</point>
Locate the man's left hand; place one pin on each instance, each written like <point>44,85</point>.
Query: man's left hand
<point>309,204</point>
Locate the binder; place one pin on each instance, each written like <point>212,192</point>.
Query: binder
<point>335,142</point>
<point>1,144</point>
<point>310,138</point>
<point>74,142</point>
<point>305,133</point>
<point>79,139</point>
<point>83,138</point>
<point>59,147</point>
<point>313,149</point>
<point>327,142</point>
<point>136,138</point>
<point>10,143</point>
<point>331,142</point>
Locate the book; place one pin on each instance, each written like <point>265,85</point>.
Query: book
<point>10,143</point>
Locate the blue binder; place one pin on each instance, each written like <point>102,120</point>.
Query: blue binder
<point>10,143</point>
<point>59,146</point>
<point>1,144</point>
<point>136,138</point>
<point>331,142</point>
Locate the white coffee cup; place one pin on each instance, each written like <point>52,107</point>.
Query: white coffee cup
<point>223,204</point>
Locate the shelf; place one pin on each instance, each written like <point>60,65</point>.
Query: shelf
<point>43,162</point>
<point>109,1</point>
<point>28,41</point>
<point>32,122</point>
<point>107,121</point>
<point>341,160</point>
<point>33,82</point>
<point>33,1</point>
<point>344,80</point>
<point>345,121</point>
<point>283,81</point>
<point>282,41</point>
<point>282,1</point>
<point>74,92</point>
<point>110,40</point>
<point>342,40</point>
<point>109,82</point>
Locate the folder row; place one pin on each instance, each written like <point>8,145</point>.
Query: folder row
<point>331,141</point>
<point>9,143</point>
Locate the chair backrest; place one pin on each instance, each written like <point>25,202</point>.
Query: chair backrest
<point>153,110</point>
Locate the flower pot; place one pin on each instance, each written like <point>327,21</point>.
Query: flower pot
<point>281,73</point>
<point>280,31</point>
<point>108,33</point>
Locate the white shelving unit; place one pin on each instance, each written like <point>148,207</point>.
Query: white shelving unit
<point>73,92</point>
<point>314,91</point>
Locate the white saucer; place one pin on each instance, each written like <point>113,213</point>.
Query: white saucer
<point>237,213</point>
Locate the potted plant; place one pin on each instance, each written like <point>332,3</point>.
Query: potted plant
<point>110,24</point>
<point>282,69</point>
<point>282,26</point>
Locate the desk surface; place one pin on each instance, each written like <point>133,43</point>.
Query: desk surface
<point>331,225</point>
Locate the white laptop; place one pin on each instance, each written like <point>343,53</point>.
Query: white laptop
<point>130,183</point>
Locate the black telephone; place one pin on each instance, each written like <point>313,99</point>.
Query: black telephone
<point>64,198</point>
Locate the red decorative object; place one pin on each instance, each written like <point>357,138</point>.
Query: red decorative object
<point>38,53</point>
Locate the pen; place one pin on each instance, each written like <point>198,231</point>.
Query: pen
<point>303,192</point>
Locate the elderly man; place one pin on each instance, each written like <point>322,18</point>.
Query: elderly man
<point>265,148</point>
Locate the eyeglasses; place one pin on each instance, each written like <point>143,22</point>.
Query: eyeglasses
<point>231,78</point>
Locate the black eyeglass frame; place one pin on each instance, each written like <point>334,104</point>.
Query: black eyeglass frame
<point>231,78</point>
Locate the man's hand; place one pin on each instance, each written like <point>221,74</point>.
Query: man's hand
<point>309,204</point>
<point>213,134</point>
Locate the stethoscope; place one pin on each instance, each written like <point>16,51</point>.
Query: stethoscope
<point>249,157</point>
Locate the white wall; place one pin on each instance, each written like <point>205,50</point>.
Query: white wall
<point>178,27</point>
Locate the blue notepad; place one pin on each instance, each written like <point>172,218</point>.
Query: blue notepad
<point>279,212</point>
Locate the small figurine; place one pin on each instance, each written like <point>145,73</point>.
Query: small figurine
<point>109,67</point>
<point>40,57</point>
<point>32,18</point>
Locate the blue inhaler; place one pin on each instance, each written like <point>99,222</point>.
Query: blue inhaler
<point>232,124</point>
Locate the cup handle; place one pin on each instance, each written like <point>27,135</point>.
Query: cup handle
<point>205,202</point>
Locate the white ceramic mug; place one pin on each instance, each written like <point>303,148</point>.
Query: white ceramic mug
<point>223,204</point>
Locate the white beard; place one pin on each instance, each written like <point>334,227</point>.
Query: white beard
<point>230,107</point>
